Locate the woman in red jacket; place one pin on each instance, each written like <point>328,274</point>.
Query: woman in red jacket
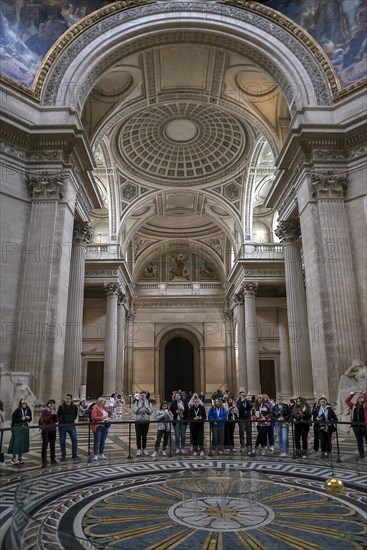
<point>99,426</point>
<point>358,418</point>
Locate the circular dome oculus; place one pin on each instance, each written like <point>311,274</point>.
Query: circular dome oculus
<point>181,130</point>
<point>181,143</point>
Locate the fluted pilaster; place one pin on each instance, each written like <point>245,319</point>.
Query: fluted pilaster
<point>40,333</point>
<point>328,190</point>
<point>74,324</point>
<point>251,333</point>
<point>299,340</point>
<point>110,351</point>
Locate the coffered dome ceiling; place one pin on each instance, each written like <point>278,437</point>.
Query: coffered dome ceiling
<point>182,143</point>
<point>176,131</point>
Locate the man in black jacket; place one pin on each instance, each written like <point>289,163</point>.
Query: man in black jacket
<point>244,407</point>
<point>67,413</point>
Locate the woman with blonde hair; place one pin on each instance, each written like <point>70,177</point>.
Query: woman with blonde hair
<point>100,416</point>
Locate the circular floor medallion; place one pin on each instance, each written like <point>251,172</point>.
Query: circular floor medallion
<point>211,514</point>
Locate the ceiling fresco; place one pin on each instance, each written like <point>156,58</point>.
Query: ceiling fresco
<point>29,28</point>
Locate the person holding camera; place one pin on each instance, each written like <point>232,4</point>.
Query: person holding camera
<point>326,418</point>
<point>357,404</point>
<point>301,416</point>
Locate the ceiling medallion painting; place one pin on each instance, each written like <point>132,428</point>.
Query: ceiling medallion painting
<point>183,143</point>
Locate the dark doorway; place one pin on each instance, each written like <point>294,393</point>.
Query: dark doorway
<point>94,379</point>
<point>178,366</point>
<point>267,377</point>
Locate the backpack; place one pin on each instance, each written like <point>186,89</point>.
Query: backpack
<point>89,411</point>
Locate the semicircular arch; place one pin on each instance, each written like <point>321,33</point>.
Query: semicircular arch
<point>275,43</point>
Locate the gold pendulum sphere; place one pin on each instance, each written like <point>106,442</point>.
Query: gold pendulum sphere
<point>334,486</point>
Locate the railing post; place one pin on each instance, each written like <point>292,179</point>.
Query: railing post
<point>129,456</point>
<point>294,455</point>
<point>337,442</point>
<point>89,459</point>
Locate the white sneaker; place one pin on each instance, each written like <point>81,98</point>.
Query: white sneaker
<point>194,454</point>
<point>154,455</point>
<point>177,451</point>
<point>263,452</point>
<point>252,453</point>
<point>201,453</point>
<point>220,452</point>
<point>304,455</point>
<point>164,453</point>
<point>183,451</point>
<point>271,448</point>
<point>139,452</point>
<point>102,456</point>
<point>14,461</point>
<point>145,452</point>
<point>95,457</point>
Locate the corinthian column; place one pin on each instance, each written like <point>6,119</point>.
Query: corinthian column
<point>328,189</point>
<point>285,370</point>
<point>252,343</point>
<point>299,340</point>
<point>110,341</point>
<point>241,343</point>
<point>228,316</point>
<point>121,342</point>
<point>74,322</point>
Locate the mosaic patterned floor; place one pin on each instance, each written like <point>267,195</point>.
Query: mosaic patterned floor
<point>134,506</point>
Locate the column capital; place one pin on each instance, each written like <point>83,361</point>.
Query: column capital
<point>82,233</point>
<point>288,231</point>
<point>250,288</point>
<point>328,185</point>
<point>46,187</point>
<point>227,312</point>
<point>112,288</point>
<point>239,298</point>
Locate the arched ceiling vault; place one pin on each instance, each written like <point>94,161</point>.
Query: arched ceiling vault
<point>175,106</point>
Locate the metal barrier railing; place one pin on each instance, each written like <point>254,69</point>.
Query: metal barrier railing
<point>208,433</point>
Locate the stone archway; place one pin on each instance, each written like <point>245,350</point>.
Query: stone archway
<point>179,366</point>
<point>195,339</point>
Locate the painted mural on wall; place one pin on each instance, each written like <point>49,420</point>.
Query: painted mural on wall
<point>339,26</point>
<point>206,272</point>
<point>29,28</point>
<point>178,266</point>
<point>151,271</point>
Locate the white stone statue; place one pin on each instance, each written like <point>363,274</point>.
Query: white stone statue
<point>22,391</point>
<point>353,380</point>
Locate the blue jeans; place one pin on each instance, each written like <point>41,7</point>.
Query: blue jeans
<point>100,436</point>
<point>283,431</point>
<point>71,430</point>
<point>180,435</point>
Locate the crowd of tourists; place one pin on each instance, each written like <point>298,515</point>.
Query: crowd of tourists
<point>258,424</point>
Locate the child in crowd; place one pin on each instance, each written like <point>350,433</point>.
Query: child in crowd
<point>164,418</point>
